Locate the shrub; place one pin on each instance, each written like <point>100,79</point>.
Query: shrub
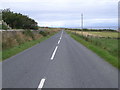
<point>44,33</point>
<point>29,33</point>
<point>20,38</point>
<point>8,42</point>
<point>5,27</point>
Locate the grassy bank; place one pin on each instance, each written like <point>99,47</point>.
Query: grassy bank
<point>6,53</point>
<point>105,48</point>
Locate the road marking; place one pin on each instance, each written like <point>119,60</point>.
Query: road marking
<point>41,83</point>
<point>59,42</point>
<point>54,53</point>
<point>61,35</point>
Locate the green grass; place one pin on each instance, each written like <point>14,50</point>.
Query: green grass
<point>104,53</point>
<point>17,49</point>
<point>110,45</point>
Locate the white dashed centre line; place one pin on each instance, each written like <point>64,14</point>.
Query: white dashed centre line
<point>61,35</point>
<point>41,83</point>
<point>59,42</point>
<point>53,55</point>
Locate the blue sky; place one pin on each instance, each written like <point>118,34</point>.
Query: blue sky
<point>67,13</point>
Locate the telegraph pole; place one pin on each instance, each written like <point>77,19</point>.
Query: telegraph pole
<point>81,21</point>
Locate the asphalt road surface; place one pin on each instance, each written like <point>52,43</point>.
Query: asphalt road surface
<point>59,62</point>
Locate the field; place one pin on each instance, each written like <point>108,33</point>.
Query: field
<point>106,48</point>
<point>106,34</point>
<point>98,34</point>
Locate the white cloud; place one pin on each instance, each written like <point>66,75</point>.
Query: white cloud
<point>52,23</point>
<point>63,12</point>
<point>12,1</point>
<point>102,22</point>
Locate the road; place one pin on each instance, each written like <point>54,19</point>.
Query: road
<point>59,62</point>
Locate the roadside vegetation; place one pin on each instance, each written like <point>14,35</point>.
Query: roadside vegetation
<point>17,41</point>
<point>106,46</point>
<point>17,20</point>
<point>3,26</point>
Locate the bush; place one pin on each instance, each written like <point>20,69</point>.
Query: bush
<point>44,33</point>
<point>29,33</point>
<point>11,39</point>
<point>8,42</point>
<point>4,27</point>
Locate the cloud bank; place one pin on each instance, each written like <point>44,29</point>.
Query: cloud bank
<point>67,13</point>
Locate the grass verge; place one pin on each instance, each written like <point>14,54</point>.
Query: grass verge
<point>99,51</point>
<point>17,49</point>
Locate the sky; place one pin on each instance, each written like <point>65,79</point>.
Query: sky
<point>67,13</point>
